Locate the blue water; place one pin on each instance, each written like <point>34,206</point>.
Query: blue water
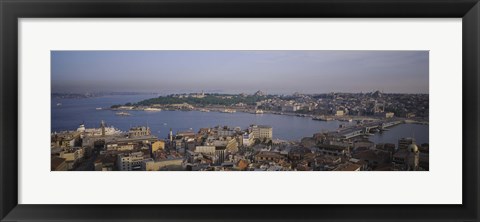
<point>73,112</point>
<point>419,132</point>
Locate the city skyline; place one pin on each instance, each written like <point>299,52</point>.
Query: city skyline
<point>275,72</point>
<point>240,110</point>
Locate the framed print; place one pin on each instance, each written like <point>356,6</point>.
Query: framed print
<point>227,110</point>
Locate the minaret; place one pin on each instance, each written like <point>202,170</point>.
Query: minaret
<point>171,135</point>
<point>103,128</point>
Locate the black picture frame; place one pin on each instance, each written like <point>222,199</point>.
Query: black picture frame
<point>12,10</point>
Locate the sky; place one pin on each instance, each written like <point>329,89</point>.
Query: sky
<point>234,71</point>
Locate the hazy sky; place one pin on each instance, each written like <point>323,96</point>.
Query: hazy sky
<point>240,71</point>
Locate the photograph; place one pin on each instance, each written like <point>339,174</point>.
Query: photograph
<point>239,110</point>
<point>269,99</point>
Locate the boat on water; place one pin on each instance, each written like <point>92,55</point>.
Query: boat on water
<point>322,118</point>
<point>151,109</point>
<point>228,111</point>
<point>258,111</point>
<point>106,130</point>
<point>123,114</point>
<point>204,110</point>
<point>59,104</point>
<point>98,108</point>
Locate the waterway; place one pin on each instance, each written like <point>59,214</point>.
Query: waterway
<point>73,112</point>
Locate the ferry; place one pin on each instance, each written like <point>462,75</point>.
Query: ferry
<point>228,111</point>
<point>150,109</point>
<point>123,114</point>
<point>98,108</point>
<point>109,130</point>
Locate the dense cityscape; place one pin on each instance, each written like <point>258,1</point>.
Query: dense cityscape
<point>251,147</point>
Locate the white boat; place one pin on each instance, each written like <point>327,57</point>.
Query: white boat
<point>98,108</point>
<point>150,109</point>
<point>228,111</point>
<point>258,111</point>
<point>123,114</point>
<point>98,131</point>
<point>204,110</point>
<point>59,104</point>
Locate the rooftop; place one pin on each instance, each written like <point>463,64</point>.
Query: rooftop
<point>56,162</point>
<point>348,167</point>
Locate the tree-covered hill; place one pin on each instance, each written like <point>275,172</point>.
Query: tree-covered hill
<point>208,99</point>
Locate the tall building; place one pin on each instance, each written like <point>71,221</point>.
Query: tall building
<point>220,153</point>
<point>262,132</point>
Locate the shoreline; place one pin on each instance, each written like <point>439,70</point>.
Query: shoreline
<point>219,109</point>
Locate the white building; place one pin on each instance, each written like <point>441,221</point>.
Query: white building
<point>205,149</point>
<point>262,132</point>
<point>129,162</point>
<point>225,132</point>
<point>247,139</point>
<point>291,108</point>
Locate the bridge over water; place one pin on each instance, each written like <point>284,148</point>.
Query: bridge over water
<point>365,128</point>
